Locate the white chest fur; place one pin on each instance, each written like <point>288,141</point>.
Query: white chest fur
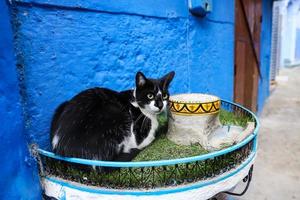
<point>130,141</point>
<point>151,134</point>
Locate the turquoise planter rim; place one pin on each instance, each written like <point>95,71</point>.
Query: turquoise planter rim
<point>163,162</point>
<point>155,191</point>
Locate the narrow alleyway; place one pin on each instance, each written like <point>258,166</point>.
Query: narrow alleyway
<point>277,168</point>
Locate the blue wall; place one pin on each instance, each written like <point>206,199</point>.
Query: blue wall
<point>18,179</point>
<point>66,46</point>
<point>265,53</point>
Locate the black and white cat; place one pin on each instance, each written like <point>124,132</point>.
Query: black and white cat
<point>102,124</point>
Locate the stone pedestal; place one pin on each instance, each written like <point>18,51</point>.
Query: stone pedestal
<point>194,118</point>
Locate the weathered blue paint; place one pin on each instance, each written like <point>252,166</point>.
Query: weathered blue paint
<point>150,8</point>
<point>64,47</point>
<point>17,178</point>
<point>265,53</point>
<point>211,51</point>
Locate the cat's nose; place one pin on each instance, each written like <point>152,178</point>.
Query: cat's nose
<point>159,104</point>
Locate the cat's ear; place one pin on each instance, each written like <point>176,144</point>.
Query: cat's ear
<point>166,79</point>
<point>140,79</point>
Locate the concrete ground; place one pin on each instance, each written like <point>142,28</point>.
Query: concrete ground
<point>276,173</point>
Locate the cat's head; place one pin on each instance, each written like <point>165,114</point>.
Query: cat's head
<point>152,95</point>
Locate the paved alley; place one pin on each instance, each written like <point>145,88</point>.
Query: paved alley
<point>277,168</point>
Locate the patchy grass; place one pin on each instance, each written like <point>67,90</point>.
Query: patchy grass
<point>229,118</point>
<point>163,149</point>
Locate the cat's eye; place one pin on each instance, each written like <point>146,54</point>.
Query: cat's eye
<point>165,96</point>
<point>150,96</point>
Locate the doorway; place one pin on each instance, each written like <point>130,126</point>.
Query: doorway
<point>248,18</point>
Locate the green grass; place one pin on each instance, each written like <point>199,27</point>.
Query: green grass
<point>163,149</point>
<point>229,118</point>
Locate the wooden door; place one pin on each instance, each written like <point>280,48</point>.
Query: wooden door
<point>247,49</point>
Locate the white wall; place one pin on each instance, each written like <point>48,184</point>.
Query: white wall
<point>290,11</point>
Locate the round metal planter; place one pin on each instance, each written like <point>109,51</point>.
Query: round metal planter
<point>198,177</point>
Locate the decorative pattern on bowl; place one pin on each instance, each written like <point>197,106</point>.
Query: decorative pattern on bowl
<point>194,104</point>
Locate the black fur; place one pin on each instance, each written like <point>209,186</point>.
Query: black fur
<point>94,123</point>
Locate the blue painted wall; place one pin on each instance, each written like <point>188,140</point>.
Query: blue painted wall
<point>64,47</point>
<point>18,179</point>
<point>265,53</point>
<point>211,51</point>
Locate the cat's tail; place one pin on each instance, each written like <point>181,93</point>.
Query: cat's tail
<point>54,124</point>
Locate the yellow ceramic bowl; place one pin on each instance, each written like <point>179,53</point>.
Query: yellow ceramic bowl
<point>194,104</point>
